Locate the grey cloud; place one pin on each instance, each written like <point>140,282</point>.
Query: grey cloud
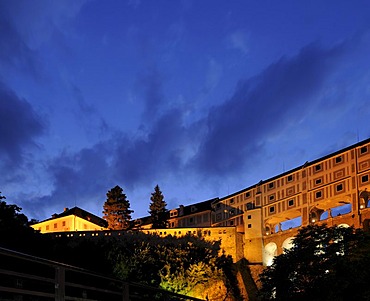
<point>262,106</point>
<point>20,125</point>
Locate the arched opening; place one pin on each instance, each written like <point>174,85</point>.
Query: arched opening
<point>287,244</point>
<point>270,251</point>
<point>339,210</point>
<point>291,223</point>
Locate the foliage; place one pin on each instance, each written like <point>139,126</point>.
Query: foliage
<point>117,209</point>
<point>325,263</point>
<point>15,232</point>
<point>158,209</point>
<point>186,265</point>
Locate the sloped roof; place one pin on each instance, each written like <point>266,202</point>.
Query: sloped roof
<point>82,214</point>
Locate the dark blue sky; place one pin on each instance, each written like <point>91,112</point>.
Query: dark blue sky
<point>203,98</point>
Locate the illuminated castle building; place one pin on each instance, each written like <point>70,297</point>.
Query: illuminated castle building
<point>258,222</point>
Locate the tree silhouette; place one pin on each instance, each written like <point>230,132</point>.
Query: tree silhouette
<point>157,209</point>
<point>117,209</point>
<point>325,263</point>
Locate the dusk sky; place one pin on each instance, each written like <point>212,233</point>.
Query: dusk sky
<point>203,97</point>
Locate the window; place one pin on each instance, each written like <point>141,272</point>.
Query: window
<point>318,194</point>
<point>249,216</point>
<point>218,206</point>
<point>191,220</point>
<point>271,197</point>
<point>231,223</point>
<point>218,216</point>
<point>63,223</point>
<point>318,181</point>
<point>193,208</point>
<point>271,185</point>
<point>289,178</point>
<point>47,228</point>
<point>338,159</point>
<point>248,194</point>
<point>55,225</point>
<point>272,209</point>
<point>363,150</point>
<point>318,167</point>
<point>249,226</point>
<point>231,201</point>
<point>339,187</point>
<point>365,179</point>
<point>249,206</point>
<point>232,211</point>
<point>290,203</point>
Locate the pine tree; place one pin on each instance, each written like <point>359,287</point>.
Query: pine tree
<point>117,209</point>
<point>158,209</point>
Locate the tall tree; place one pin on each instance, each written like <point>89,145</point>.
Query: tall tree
<point>117,209</point>
<point>325,263</point>
<point>157,209</point>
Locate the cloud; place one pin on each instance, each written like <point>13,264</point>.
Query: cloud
<point>239,41</point>
<point>20,125</point>
<point>262,106</point>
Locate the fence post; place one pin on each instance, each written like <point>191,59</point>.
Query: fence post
<point>59,284</point>
<point>125,291</point>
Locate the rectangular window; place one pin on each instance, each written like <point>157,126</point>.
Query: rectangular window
<point>364,179</point>
<point>339,187</point>
<point>231,223</point>
<point>55,225</point>
<point>289,178</point>
<point>191,220</point>
<point>249,216</point>
<point>338,159</point>
<point>318,194</point>
<point>363,150</point>
<point>232,211</point>
<point>248,194</point>
<point>271,197</point>
<point>318,167</point>
<point>318,181</point>
<point>272,209</point>
<point>271,185</point>
<point>249,226</point>
<point>63,223</point>
<point>290,203</point>
<point>47,227</point>
<point>249,206</point>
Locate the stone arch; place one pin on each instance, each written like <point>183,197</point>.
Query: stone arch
<point>343,225</point>
<point>269,252</point>
<point>287,244</point>
<point>315,214</point>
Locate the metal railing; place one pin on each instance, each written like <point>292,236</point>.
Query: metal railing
<point>24,277</point>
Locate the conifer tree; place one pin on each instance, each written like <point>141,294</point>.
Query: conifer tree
<point>117,209</point>
<point>157,209</point>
